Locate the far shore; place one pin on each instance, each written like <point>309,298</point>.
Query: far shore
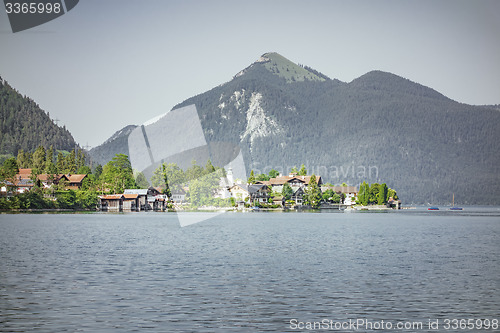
<point>212,209</point>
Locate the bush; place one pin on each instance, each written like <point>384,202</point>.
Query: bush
<point>86,199</point>
<point>66,199</point>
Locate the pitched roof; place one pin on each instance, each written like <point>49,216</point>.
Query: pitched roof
<point>26,174</point>
<point>130,196</point>
<point>281,180</point>
<point>140,191</point>
<point>24,171</point>
<point>111,196</point>
<point>256,187</point>
<point>299,191</point>
<point>180,191</point>
<point>76,178</point>
<point>242,186</point>
<point>23,182</point>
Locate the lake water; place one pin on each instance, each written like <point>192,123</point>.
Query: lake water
<point>248,272</point>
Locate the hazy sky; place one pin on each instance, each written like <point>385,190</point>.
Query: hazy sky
<point>107,64</point>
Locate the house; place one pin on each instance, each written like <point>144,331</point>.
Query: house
<point>142,195</point>
<point>239,192</point>
<point>131,202</point>
<point>394,204</point>
<point>19,186</point>
<point>350,193</point>
<point>298,196</point>
<point>146,198</point>
<point>111,202</point>
<point>279,200</point>
<point>179,196</point>
<point>74,182</point>
<point>292,179</point>
<point>259,193</point>
<point>23,182</point>
<point>256,193</point>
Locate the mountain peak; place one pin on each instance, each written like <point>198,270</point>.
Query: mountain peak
<point>284,68</point>
<point>385,81</point>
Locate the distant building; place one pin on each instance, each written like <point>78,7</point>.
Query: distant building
<point>350,192</point>
<point>23,181</point>
<point>256,193</point>
<point>111,202</point>
<point>179,196</point>
<point>298,184</point>
<point>392,203</point>
<point>293,180</point>
<point>146,198</point>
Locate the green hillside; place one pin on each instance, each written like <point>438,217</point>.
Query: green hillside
<point>291,72</point>
<point>23,125</point>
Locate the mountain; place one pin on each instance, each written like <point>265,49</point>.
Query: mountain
<point>23,125</point>
<point>116,144</point>
<point>380,128</point>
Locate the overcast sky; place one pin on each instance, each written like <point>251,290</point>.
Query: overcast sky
<point>107,64</point>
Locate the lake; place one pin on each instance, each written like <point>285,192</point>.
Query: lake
<point>250,272</point>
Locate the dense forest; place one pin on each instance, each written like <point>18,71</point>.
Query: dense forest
<point>23,125</point>
<point>379,127</point>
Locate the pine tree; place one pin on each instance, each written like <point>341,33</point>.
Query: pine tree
<point>287,191</point>
<point>302,171</point>
<point>23,159</point>
<point>364,194</point>
<point>313,193</point>
<point>39,159</point>
<point>49,161</point>
<point>251,179</point>
<point>209,168</point>
<point>60,164</point>
<point>70,162</point>
<point>20,158</point>
<point>167,191</point>
<point>382,194</point>
<point>80,159</point>
<point>273,173</point>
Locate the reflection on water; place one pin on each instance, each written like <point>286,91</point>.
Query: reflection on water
<point>243,272</point>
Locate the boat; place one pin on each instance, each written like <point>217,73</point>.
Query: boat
<point>453,204</point>
<point>433,208</point>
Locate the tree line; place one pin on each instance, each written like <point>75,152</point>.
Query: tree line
<point>375,194</point>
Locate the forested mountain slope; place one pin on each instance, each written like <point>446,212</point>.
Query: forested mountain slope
<point>116,144</point>
<point>23,125</point>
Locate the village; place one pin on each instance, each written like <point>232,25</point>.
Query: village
<point>258,195</point>
<point>292,191</point>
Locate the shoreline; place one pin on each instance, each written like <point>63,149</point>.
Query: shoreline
<point>209,209</point>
